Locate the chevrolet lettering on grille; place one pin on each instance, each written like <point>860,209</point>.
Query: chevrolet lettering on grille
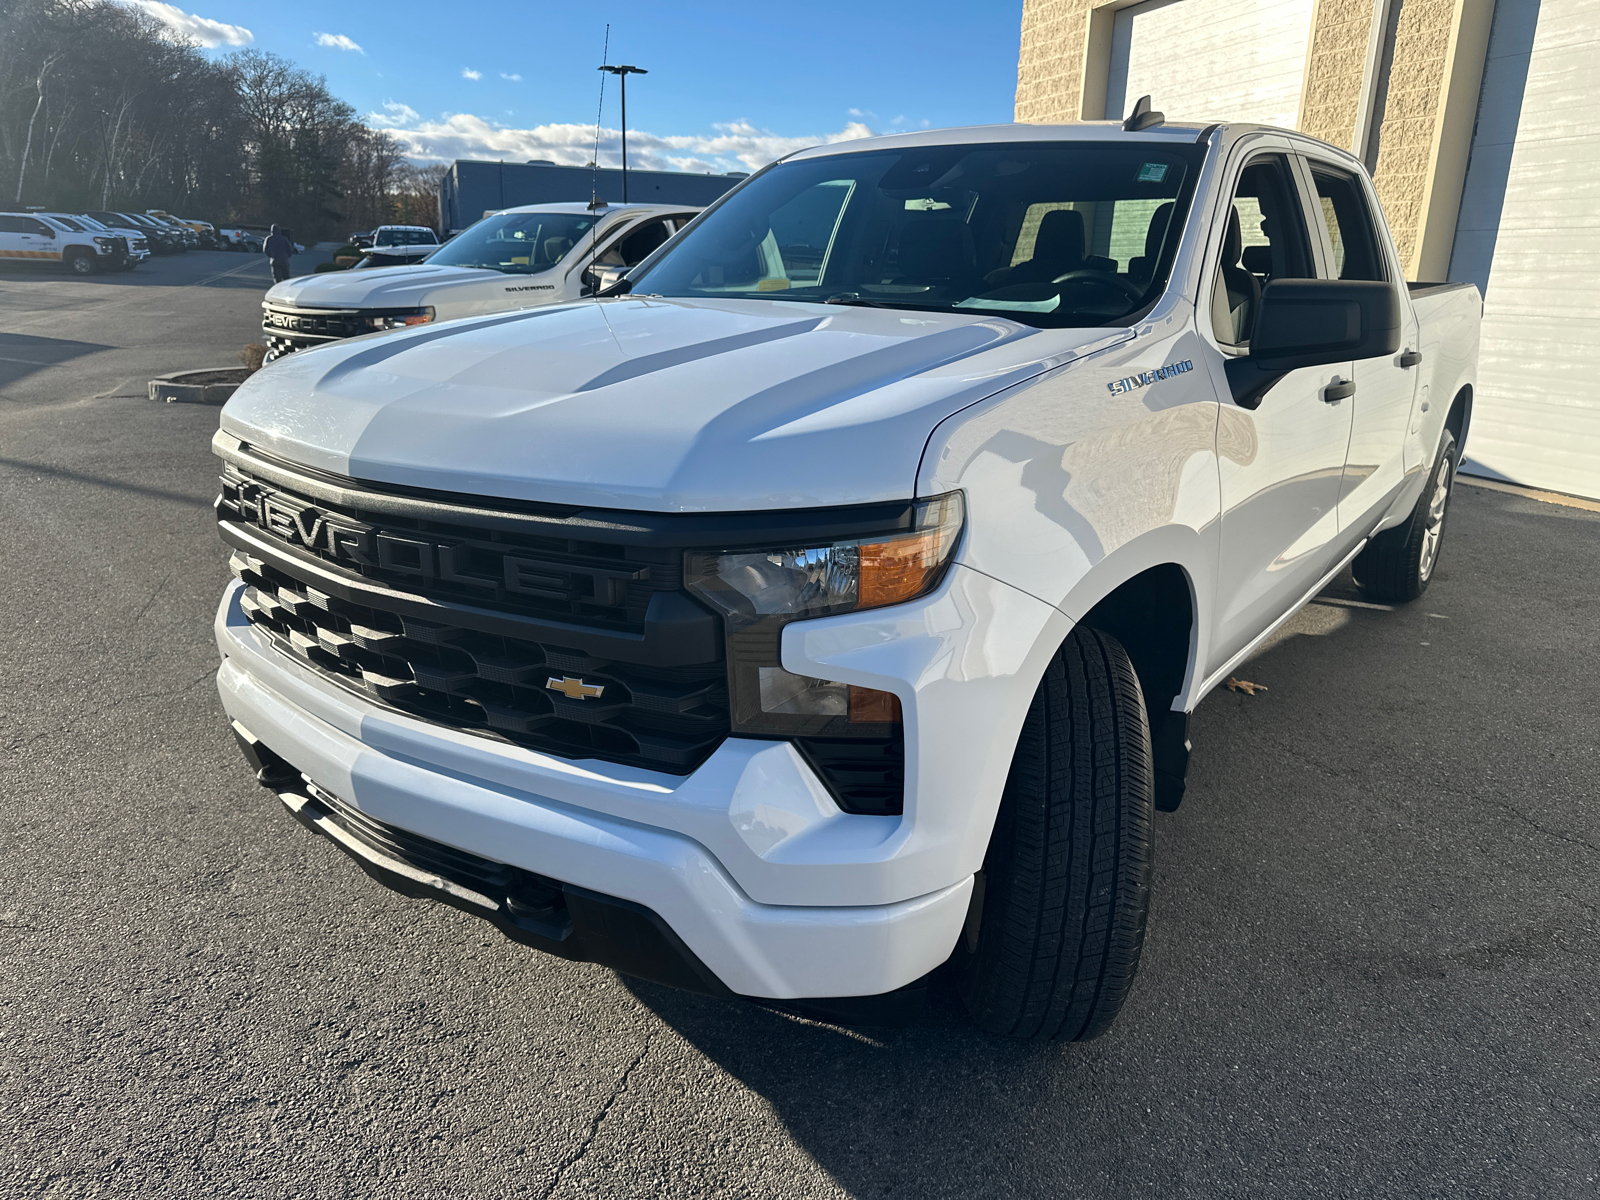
<point>408,554</point>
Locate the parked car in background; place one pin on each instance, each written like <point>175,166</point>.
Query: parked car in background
<point>27,236</point>
<point>205,234</point>
<point>362,239</point>
<point>162,238</point>
<point>399,246</point>
<point>249,238</point>
<point>826,606</point>
<point>540,254</point>
<point>138,244</point>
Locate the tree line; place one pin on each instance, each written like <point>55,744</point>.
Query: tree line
<point>103,107</point>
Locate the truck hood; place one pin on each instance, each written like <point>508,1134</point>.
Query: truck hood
<point>378,287</point>
<point>644,403</point>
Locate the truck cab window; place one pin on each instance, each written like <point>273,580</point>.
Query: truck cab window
<point>1265,239</point>
<point>637,246</point>
<point>1345,217</point>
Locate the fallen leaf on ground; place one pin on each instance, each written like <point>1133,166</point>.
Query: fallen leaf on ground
<point>1244,685</point>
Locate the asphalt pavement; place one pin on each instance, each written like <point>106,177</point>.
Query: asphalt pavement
<point>1371,967</point>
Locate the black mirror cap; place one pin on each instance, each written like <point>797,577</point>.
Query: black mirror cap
<point>1314,322</point>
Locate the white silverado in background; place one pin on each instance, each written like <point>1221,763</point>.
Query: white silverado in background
<point>829,607</point>
<point>540,254</point>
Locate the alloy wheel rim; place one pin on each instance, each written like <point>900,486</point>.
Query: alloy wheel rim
<point>1434,529</point>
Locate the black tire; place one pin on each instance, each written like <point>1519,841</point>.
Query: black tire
<point>81,262</point>
<point>1053,941</point>
<point>1397,564</point>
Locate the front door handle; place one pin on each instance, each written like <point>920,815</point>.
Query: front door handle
<point>1410,359</point>
<point>1338,390</point>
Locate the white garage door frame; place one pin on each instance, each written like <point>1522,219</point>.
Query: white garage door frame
<point>1528,235</point>
<point>1099,50</point>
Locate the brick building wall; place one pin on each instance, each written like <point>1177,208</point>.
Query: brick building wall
<point>1428,63</point>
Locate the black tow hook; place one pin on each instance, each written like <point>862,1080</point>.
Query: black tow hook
<point>272,771</point>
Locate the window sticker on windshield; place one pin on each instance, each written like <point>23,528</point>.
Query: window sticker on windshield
<point>1152,172</point>
<point>772,285</point>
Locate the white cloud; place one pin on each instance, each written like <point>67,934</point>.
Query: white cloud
<point>338,41</point>
<point>394,114</point>
<point>202,30</point>
<point>469,73</point>
<point>512,78</point>
<point>737,145</point>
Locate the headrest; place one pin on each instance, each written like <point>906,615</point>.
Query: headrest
<point>1060,238</point>
<point>1157,230</point>
<point>933,249</point>
<point>1233,243</point>
<point>555,248</point>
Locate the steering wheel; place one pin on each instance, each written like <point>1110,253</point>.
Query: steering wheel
<point>1106,278</point>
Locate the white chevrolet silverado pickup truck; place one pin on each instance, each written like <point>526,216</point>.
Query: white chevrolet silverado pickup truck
<point>824,606</point>
<point>540,254</point>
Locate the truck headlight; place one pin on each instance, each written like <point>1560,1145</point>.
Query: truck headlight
<point>758,592</point>
<point>420,316</point>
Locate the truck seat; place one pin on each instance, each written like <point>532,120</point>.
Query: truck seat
<point>1244,291</point>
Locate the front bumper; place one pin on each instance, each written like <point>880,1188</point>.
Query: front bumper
<point>747,861</point>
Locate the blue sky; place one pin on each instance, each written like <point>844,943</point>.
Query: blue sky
<point>731,85</point>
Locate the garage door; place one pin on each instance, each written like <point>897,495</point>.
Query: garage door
<point>1211,60</point>
<point>1529,236</point>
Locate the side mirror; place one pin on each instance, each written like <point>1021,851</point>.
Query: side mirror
<point>1311,323</point>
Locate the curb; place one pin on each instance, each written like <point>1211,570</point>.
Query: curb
<point>184,387</point>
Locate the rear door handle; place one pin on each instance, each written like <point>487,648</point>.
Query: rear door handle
<point>1410,359</point>
<point>1338,390</point>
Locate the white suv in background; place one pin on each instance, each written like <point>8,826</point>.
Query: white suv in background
<point>32,236</point>
<point>518,258</point>
<point>399,246</point>
<point>138,243</point>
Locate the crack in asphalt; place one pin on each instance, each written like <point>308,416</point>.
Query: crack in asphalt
<point>66,725</point>
<point>577,1156</point>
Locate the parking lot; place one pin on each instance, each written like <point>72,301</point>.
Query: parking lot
<point>1371,967</point>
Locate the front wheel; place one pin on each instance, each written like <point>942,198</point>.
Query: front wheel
<point>82,263</point>
<point>1397,564</point>
<point>1057,923</point>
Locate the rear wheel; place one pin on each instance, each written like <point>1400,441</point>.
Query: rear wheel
<point>81,262</point>
<point>1057,924</point>
<point>1397,564</point>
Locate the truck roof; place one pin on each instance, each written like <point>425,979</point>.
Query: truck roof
<point>582,206</point>
<point>1077,131</point>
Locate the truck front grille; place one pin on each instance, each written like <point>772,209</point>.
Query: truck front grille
<point>287,328</point>
<point>459,556</point>
<point>548,697</point>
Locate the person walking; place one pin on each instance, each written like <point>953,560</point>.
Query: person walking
<point>278,248</point>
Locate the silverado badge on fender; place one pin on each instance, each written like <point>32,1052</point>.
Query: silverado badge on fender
<point>1144,378</point>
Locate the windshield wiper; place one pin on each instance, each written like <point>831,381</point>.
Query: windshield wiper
<point>854,300</point>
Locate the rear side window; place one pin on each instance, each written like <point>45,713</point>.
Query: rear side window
<point>1348,222</point>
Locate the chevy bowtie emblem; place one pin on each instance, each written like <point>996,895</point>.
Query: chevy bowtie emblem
<point>576,689</point>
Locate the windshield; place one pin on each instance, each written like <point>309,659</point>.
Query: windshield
<point>1049,233</point>
<point>407,237</point>
<point>69,223</point>
<point>516,243</point>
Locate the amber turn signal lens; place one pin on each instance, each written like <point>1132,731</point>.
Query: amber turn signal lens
<point>869,707</point>
<point>898,570</point>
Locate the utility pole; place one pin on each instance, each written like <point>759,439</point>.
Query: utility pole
<point>624,72</point>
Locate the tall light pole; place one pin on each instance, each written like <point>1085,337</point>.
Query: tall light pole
<point>624,72</point>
